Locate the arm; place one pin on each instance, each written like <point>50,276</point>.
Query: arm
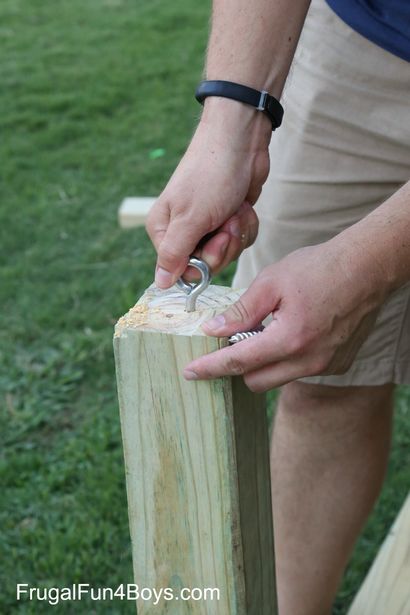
<point>254,42</point>
<point>324,301</point>
<point>222,172</point>
<point>384,238</point>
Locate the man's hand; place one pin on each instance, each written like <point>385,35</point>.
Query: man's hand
<point>324,305</point>
<point>222,172</point>
<point>212,190</point>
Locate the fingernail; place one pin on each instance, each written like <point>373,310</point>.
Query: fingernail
<point>163,279</point>
<point>190,375</point>
<point>234,228</point>
<point>216,323</point>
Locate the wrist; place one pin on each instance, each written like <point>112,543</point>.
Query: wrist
<point>384,234</point>
<point>232,117</point>
<point>260,100</point>
<point>364,271</point>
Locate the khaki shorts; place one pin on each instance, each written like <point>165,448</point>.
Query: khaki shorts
<point>344,148</point>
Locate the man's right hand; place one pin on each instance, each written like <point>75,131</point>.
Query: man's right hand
<point>213,189</point>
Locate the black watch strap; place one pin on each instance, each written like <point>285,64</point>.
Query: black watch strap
<point>261,100</point>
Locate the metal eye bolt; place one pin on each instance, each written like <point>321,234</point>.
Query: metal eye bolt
<point>194,289</point>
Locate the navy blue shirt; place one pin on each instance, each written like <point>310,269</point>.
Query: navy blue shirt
<point>385,22</point>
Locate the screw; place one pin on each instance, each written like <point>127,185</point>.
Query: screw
<point>244,335</point>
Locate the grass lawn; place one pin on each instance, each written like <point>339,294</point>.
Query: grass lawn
<point>82,108</point>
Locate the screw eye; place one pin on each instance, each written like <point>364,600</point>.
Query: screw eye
<point>193,289</point>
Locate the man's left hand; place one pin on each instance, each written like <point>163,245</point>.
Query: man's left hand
<point>324,301</point>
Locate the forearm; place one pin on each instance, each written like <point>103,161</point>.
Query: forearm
<point>222,172</point>
<point>381,242</point>
<point>253,43</point>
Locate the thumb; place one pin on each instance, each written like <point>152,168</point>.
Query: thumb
<point>251,308</point>
<point>174,250</point>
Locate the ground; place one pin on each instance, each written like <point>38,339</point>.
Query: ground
<point>96,103</point>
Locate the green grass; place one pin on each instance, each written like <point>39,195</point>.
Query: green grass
<point>82,104</point>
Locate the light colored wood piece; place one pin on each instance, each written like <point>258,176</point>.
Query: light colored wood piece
<point>197,463</point>
<point>386,589</point>
<point>133,211</point>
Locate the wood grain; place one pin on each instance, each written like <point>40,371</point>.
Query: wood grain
<point>386,589</point>
<point>197,463</point>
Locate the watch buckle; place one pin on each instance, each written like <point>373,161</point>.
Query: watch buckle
<point>262,101</point>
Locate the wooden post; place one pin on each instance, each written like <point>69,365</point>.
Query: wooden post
<point>197,464</point>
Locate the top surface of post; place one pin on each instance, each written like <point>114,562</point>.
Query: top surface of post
<point>164,310</point>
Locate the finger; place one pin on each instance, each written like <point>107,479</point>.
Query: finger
<point>243,230</point>
<point>244,357</point>
<point>252,307</point>
<point>254,193</point>
<point>213,254</point>
<point>232,253</point>
<point>275,375</point>
<point>243,224</point>
<point>218,257</point>
<point>156,226</point>
<point>226,244</point>
<point>173,254</point>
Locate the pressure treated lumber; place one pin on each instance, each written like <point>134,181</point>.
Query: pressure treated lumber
<point>133,211</point>
<point>386,589</point>
<point>197,463</point>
